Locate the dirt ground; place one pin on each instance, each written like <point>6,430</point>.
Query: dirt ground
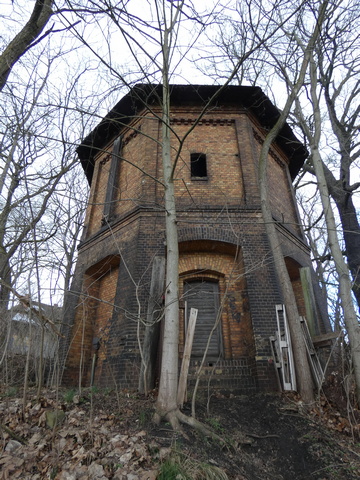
<point>109,435</point>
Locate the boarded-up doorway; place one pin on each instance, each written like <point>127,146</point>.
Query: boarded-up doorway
<point>204,296</point>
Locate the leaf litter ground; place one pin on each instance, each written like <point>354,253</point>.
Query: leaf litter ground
<point>110,435</point>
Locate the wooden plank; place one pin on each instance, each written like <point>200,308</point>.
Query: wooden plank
<point>186,357</point>
<point>327,337</point>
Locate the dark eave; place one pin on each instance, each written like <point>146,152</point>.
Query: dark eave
<point>251,98</point>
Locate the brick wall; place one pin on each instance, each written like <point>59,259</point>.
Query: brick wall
<point>223,184</point>
<point>92,319</point>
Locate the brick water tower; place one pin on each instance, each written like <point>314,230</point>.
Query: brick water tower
<point>226,271</point>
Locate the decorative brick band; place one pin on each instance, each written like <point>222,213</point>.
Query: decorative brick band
<point>214,122</point>
<point>130,137</point>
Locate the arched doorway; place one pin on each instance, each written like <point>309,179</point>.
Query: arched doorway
<point>204,296</point>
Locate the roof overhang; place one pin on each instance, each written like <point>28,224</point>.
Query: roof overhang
<point>141,97</point>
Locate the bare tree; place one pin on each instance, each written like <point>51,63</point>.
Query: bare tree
<point>302,366</point>
<point>336,66</point>
<point>25,147</point>
<point>66,211</point>
<point>315,232</point>
<point>351,321</point>
<point>320,81</point>
<point>321,72</point>
<point>162,32</point>
<point>250,20</point>
<point>41,125</point>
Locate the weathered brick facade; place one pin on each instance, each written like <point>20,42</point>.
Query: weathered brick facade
<point>222,238</point>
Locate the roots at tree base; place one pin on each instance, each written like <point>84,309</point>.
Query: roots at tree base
<point>176,417</point>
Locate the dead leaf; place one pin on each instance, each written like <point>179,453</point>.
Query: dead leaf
<point>35,438</point>
<point>96,471</point>
<point>12,446</point>
<point>54,418</point>
<point>152,475</point>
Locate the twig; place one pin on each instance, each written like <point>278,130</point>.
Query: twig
<point>262,436</point>
<point>13,434</point>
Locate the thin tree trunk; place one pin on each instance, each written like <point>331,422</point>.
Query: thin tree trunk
<point>41,361</point>
<point>301,362</point>
<point>345,287</point>
<point>167,399</point>
<point>351,321</point>
<point>303,373</point>
<point>341,190</point>
<point>351,231</point>
<point>27,367</point>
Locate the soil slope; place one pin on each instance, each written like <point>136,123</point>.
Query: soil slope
<point>109,435</point>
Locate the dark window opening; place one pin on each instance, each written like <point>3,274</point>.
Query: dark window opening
<point>198,165</point>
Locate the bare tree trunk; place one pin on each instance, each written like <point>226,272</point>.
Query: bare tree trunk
<point>350,225</point>
<point>27,367</point>
<point>41,14</point>
<point>302,368</point>
<point>301,363</point>
<point>41,361</point>
<point>303,373</point>
<point>344,127</point>
<point>167,399</point>
<point>351,321</point>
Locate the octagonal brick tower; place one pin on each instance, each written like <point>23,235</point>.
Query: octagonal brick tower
<point>226,268</point>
